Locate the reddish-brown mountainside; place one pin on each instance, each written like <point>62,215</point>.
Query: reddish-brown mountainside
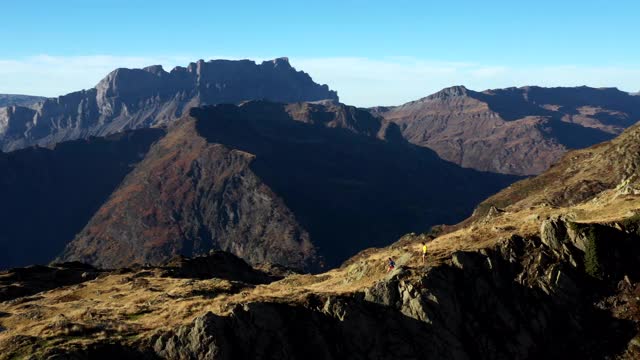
<point>186,193</point>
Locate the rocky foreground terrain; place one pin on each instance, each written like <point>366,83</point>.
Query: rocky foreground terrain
<point>546,268</point>
<point>519,131</point>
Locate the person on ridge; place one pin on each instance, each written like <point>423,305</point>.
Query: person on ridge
<point>392,265</point>
<point>424,251</point>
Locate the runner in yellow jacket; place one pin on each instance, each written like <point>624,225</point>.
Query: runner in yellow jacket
<point>424,251</point>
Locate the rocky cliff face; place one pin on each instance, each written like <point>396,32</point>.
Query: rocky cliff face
<point>516,130</point>
<point>518,300</point>
<point>140,98</point>
<point>296,184</point>
<point>48,195</point>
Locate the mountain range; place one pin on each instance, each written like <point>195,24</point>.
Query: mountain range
<point>260,161</point>
<point>519,131</point>
<point>140,98</point>
<point>546,268</point>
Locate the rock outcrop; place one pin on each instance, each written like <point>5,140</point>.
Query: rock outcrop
<point>515,130</point>
<point>20,282</point>
<point>140,98</point>
<point>217,264</point>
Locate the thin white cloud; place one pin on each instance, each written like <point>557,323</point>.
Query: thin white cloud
<point>359,81</point>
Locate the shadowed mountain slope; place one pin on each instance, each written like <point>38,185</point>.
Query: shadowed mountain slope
<point>294,184</point>
<point>48,195</point>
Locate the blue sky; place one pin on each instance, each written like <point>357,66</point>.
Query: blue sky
<point>372,52</point>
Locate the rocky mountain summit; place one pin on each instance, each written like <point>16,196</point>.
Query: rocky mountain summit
<point>303,185</point>
<point>140,98</point>
<point>514,130</point>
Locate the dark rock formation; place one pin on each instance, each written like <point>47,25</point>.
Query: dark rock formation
<point>218,264</point>
<point>140,98</point>
<point>48,195</point>
<point>21,282</point>
<point>326,329</point>
<point>515,130</point>
<point>277,183</point>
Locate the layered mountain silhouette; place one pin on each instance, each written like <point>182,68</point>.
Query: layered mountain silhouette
<point>48,195</point>
<point>140,98</point>
<point>533,279</point>
<point>19,100</point>
<point>515,130</point>
<point>287,180</point>
<point>300,184</point>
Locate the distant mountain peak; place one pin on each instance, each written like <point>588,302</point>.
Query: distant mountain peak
<point>453,91</point>
<point>155,69</point>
